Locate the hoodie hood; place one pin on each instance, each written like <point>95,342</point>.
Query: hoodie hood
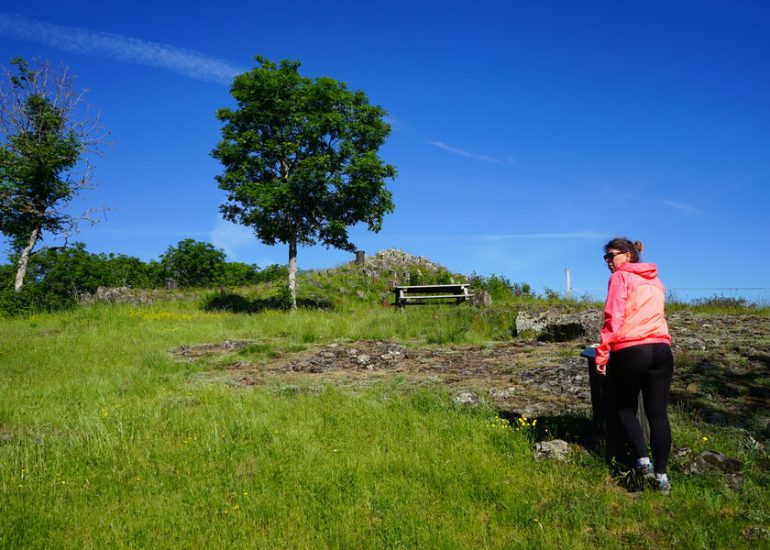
<point>646,270</point>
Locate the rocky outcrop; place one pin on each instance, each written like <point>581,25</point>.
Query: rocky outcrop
<point>554,326</point>
<point>393,258</point>
<point>370,356</point>
<point>127,295</point>
<point>714,462</point>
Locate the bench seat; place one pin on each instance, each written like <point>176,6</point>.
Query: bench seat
<point>422,293</point>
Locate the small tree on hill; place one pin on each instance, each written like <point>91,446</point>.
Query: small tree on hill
<point>41,144</point>
<point>300,160</point>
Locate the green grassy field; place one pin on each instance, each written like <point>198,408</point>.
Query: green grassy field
<point>107,440</point>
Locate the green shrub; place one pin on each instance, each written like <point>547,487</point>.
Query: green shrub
<point>551,295</point>
<point>283,299</point>
<point>723,302</point>
<point>500,287</point>
<point>272,273</point>
<point>193,263</point>
<point>14,303</point>
<point>122,270</point>
<point>239,274</point>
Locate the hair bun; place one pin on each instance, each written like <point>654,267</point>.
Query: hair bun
<point>639,246</point>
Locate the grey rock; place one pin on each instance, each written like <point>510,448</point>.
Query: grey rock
<point>529,321</point>
<point>466,398</point>
<point>689,343</point>
<point>481,298</point>
<point>553,326</point>
<point>504,393</point>
<point>712,462</point>
<point>363,359</point>
<point>557,449</point>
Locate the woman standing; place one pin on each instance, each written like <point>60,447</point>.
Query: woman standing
<point>636,332</point>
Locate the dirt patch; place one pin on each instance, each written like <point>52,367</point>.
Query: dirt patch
<point>206,350</point>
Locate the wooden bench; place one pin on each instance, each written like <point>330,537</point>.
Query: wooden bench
<point>422,294</point>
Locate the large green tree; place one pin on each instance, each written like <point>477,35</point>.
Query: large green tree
<point>301,161</point>
<point>41,144</point>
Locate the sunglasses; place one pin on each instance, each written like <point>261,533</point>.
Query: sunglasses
<point>609,256</point>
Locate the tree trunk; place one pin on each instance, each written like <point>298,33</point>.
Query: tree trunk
<point>24,259</point>
<point>293,273</point>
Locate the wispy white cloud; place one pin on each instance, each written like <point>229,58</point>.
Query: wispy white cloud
<point>682,207</point>
<point>232,238</point>
<point>395,123</point>
<point>122,48</point>
<point>567,236</point>
<point>475,156</point>
<point>154,233</point>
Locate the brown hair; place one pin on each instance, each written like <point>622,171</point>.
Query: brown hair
<point>624,245</point>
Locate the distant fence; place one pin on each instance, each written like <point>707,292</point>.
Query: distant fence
<point>754,295</point>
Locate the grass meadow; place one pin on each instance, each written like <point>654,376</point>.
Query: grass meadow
<point>107,440</point>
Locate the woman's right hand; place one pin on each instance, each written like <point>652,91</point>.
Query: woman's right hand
<point>602,369</point>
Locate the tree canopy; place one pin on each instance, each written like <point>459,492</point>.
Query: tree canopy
<point>300,159</point>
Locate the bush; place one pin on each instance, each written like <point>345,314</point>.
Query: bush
<point>121,270</point>
<point>55,278</point>
<point>499,287</point>
<point>271,273</point>
<point>722,302</point>
<point>193,263</point>
<point>283,300</point>
<point>551,295</point>
<point>239,274</point>
<point>14,303</point>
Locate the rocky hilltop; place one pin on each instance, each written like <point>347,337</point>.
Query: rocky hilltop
<point>394,259</point>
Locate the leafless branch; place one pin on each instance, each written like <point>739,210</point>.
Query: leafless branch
<point>57,86</point>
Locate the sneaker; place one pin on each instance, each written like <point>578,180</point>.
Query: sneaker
<point>663,486</point>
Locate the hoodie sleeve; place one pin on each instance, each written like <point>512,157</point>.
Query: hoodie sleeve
<point>614,314</point>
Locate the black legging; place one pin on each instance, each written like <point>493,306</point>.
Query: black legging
<point>649,368</point>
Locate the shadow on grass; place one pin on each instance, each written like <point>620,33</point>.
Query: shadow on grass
<point>236,303</point>
<point>722,395</point>
<point>580,430</point>
<point>568,427</point>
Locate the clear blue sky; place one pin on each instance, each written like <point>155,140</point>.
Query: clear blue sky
<point>525,133</point>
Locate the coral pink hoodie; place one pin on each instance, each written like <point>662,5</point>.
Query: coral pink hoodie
<point>633,313</point>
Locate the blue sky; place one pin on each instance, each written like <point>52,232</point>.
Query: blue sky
<point>525,133</point>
